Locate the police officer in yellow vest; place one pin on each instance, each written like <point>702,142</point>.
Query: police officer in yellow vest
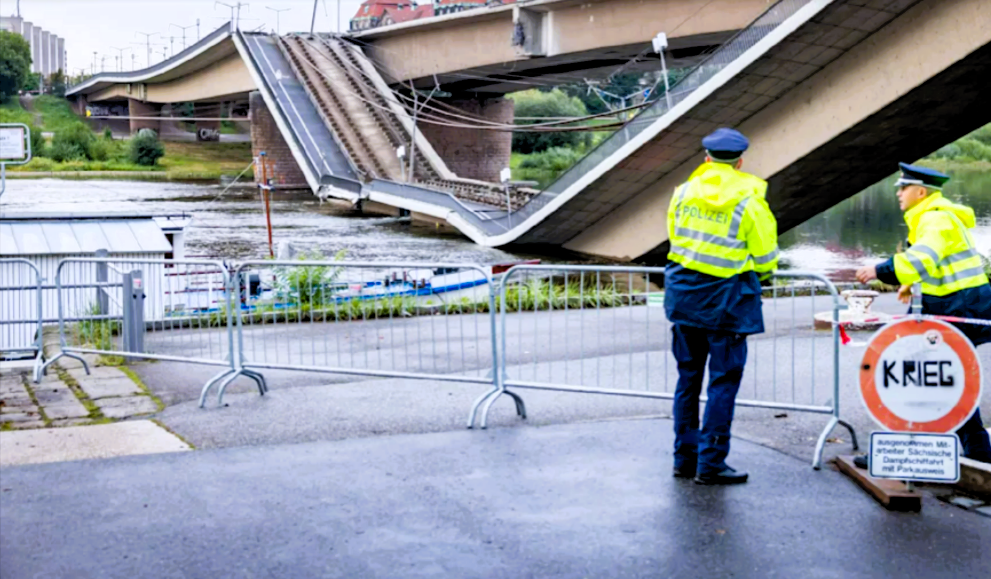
<point>943,257</point>
<point>724,241</point>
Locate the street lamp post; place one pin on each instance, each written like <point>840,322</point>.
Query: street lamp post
<point>235,20</point>
<point>183,28</point>
<point>120,52</point>
<point>148,36</point>
<point>277,11</point>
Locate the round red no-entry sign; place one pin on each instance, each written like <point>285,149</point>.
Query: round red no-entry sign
<point>920,376</point>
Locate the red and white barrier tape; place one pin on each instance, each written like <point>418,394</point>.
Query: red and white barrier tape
<point>847,341</point>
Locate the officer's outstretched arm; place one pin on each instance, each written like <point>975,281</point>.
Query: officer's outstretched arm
<point>762,237</point>
<point>919,262</point>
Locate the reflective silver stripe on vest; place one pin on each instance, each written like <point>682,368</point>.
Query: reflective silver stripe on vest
<point>709,259</point>
<point>920,269</point>
<point>925,249</point>
<point>710,238</point>
<point>766,259</point>
<point>946,279</point>
<point>959,256</point>
<point>738,211</point>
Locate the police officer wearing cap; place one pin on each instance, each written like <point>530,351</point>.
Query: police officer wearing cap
<point>943,258</point>
<point>724,241</point>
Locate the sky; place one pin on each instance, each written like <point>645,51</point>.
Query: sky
<point>100,25</point>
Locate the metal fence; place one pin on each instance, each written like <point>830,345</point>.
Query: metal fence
<point>394,320</point>
<point>603,330</point>
<point>582,329</point>
<point>174,310</point>
<point>21,331</point>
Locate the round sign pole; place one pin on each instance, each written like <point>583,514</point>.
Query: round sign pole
<point>919,379</point>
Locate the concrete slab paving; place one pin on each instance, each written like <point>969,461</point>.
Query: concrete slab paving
<point>126,406</point>
<point>121,385</point>
<point>579,500</point>
<point>86,442</point>
<point>66,409</point>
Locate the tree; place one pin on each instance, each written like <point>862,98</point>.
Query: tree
<point>32,82</point>
<point>56,81</point>
<point>15,63</point>
<point>533,103</point>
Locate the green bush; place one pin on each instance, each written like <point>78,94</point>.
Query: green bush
<point>100,150</point>
<point>69,136</point>
<point>108,134</point>
<point>534,103</point>
<point>553,159</point>
<point>63,150</point>
<point>974,149</point>
<point>982,134</point>
<point>146,150</point>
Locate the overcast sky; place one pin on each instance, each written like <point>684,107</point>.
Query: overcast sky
<point>99,25</point>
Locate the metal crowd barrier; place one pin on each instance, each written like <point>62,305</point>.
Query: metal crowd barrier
<point>154,309</point>
<point>603,330</point>
<point>21,313</point>
<point>392,320</point>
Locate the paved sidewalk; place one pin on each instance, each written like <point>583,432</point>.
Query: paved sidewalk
<point>68,396</point>
<point>578,500</point>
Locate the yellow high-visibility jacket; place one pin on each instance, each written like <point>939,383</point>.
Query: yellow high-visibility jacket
<point>942,254</point>
<point>719,223</point>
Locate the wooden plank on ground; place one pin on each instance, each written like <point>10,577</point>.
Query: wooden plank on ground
<point>893,494</point>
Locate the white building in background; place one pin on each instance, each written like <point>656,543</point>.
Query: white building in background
<point>47,48</point>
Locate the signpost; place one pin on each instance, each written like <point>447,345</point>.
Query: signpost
<point>920,380</point>
<point>15,148</point>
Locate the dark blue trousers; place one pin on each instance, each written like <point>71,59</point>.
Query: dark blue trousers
<point>974,439</point>
<point>726,354</point>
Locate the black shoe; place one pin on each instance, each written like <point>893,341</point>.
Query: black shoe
<point>861,462</point>
<point>684,471</point>
<point>724,477</point>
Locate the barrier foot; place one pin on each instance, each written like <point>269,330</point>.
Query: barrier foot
<point>520,407</point>
<point>44,367</point>
<point>209,384</point>
<point>821,443</point>
<point>258,378</point>
<point>853,434</point>
<point>478,402</point>
<point>39,363</point>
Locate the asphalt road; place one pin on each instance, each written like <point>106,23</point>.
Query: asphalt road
<point>622,348</point>
<point>579,500</point>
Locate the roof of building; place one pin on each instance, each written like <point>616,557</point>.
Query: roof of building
<point>377,8</point>
<point>71,237</point>
<point>397,16</point>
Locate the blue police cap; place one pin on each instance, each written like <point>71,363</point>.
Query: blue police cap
<point>915,175</point>
<point>725,144</point>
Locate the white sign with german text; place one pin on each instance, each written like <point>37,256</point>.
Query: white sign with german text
<point>12,143</point>
<point>915,456</point>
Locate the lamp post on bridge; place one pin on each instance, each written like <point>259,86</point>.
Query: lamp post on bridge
<point>147,36</point>
<point>183,28</point>
<point>277,13</point>
<point>120,52</point>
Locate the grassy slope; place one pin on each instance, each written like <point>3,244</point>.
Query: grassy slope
<point>181,161</point>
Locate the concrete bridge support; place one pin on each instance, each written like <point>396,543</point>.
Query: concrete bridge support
<point>471,153</point>
<point>144,115</point>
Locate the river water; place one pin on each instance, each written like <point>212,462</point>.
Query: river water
<point>231,224</point>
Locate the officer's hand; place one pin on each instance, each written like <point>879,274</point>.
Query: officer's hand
<point>867,273</point>
<point>905,294</point>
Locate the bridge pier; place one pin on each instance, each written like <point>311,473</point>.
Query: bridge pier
<point>472,153</point>
<point>265,136</point>
<point>144,110</point>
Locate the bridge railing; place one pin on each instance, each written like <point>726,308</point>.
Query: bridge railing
<point>696,78</point>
